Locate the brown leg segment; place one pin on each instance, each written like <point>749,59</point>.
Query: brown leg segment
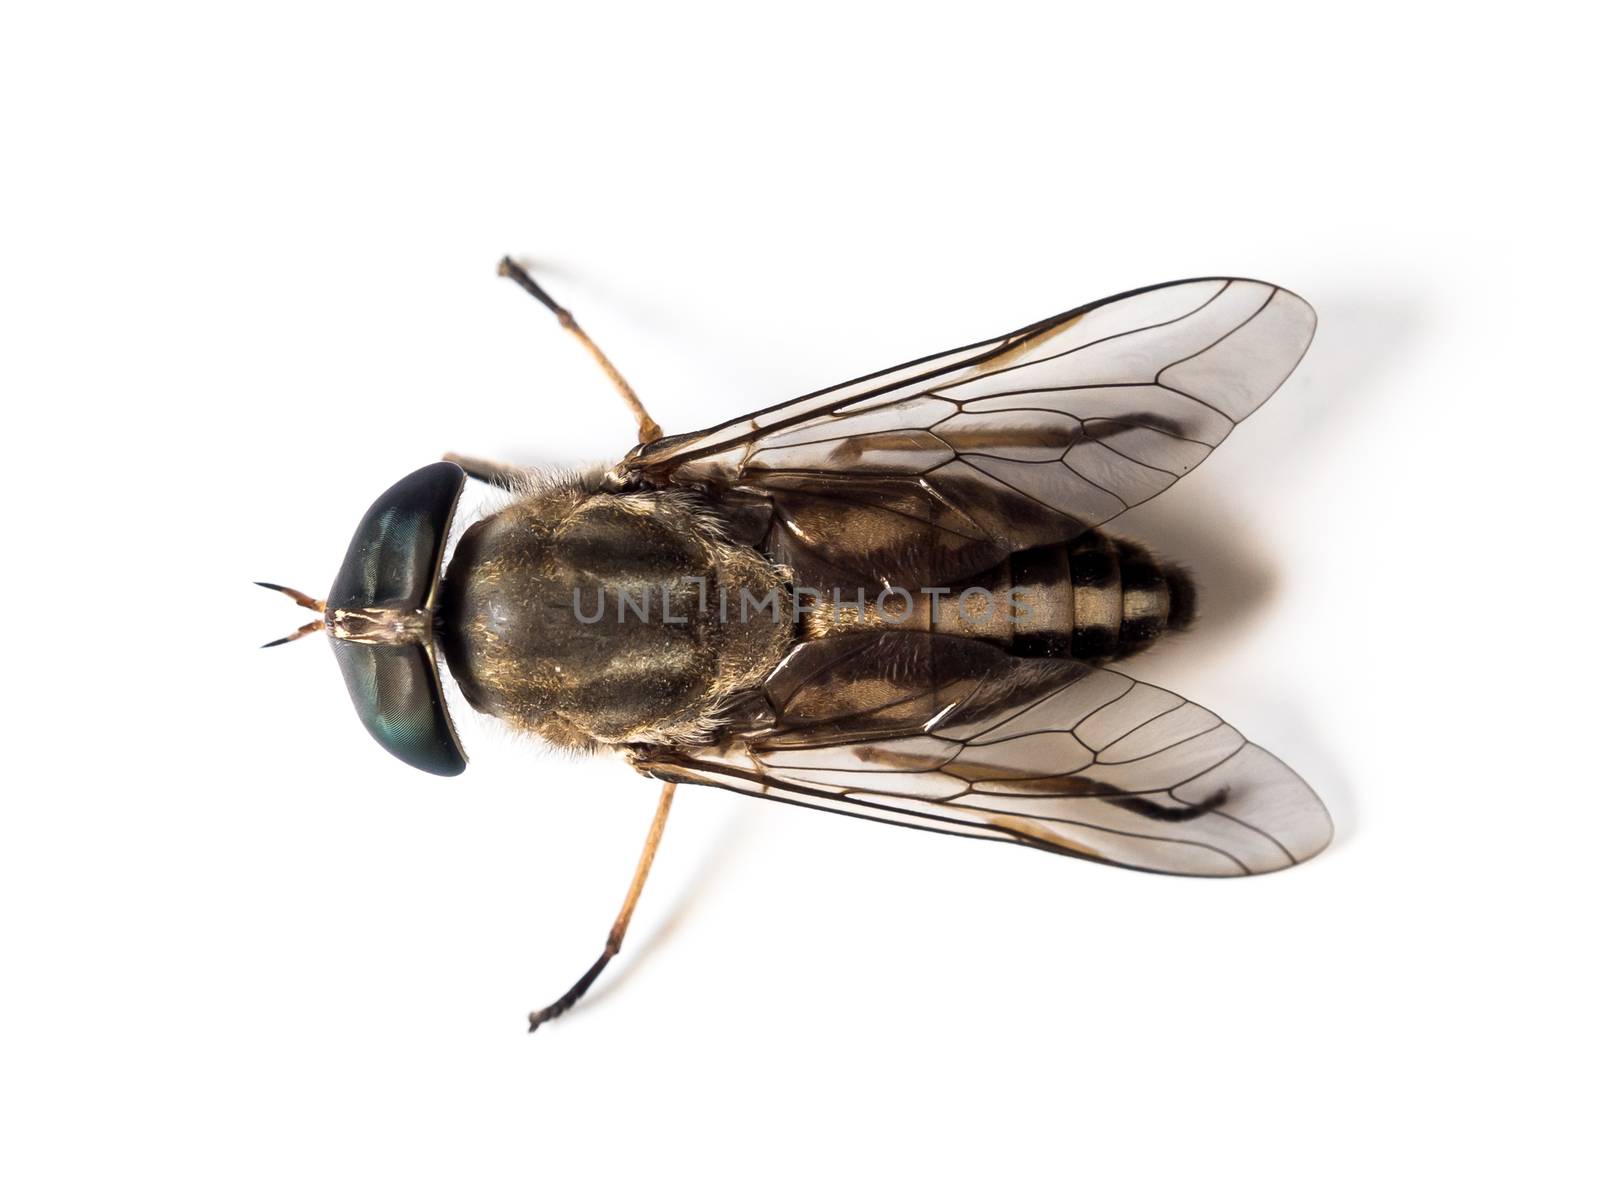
<point>619,927</point>
<point>496,474</point>
<point>649,431</point>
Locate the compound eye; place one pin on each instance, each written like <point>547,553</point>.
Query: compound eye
<point>393,564</point>
<point>398,698</point>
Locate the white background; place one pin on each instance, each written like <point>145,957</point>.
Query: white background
<point>248,282</point>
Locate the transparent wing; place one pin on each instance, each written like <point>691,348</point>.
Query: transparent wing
<point>953,735</point>
<point>1024,439</point>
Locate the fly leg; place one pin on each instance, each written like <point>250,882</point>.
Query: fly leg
<point>495,474</point>
<point>649,431</point>
<point>619,927</point>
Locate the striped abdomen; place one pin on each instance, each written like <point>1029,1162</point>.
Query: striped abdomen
<point>1095,598</point>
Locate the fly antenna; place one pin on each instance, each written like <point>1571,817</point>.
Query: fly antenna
<point>308,627</point>
<point>304,601</point>
<point>300,598</point>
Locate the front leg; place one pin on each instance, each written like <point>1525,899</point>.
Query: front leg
<point>496,474</point>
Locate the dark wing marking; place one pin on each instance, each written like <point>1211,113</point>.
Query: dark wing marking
<point>953,735</point>
<point>1021,440</point>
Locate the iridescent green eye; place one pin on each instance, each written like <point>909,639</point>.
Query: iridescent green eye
<point>392,570</point>
<point>397,695</point>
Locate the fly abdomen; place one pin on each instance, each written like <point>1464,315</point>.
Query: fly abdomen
<point>1095,598</point>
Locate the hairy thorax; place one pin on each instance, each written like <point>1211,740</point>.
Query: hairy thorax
<point>591,618</point>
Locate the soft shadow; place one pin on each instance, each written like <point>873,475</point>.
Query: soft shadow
<point>1233,578</point>
<point>1364,336</point>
